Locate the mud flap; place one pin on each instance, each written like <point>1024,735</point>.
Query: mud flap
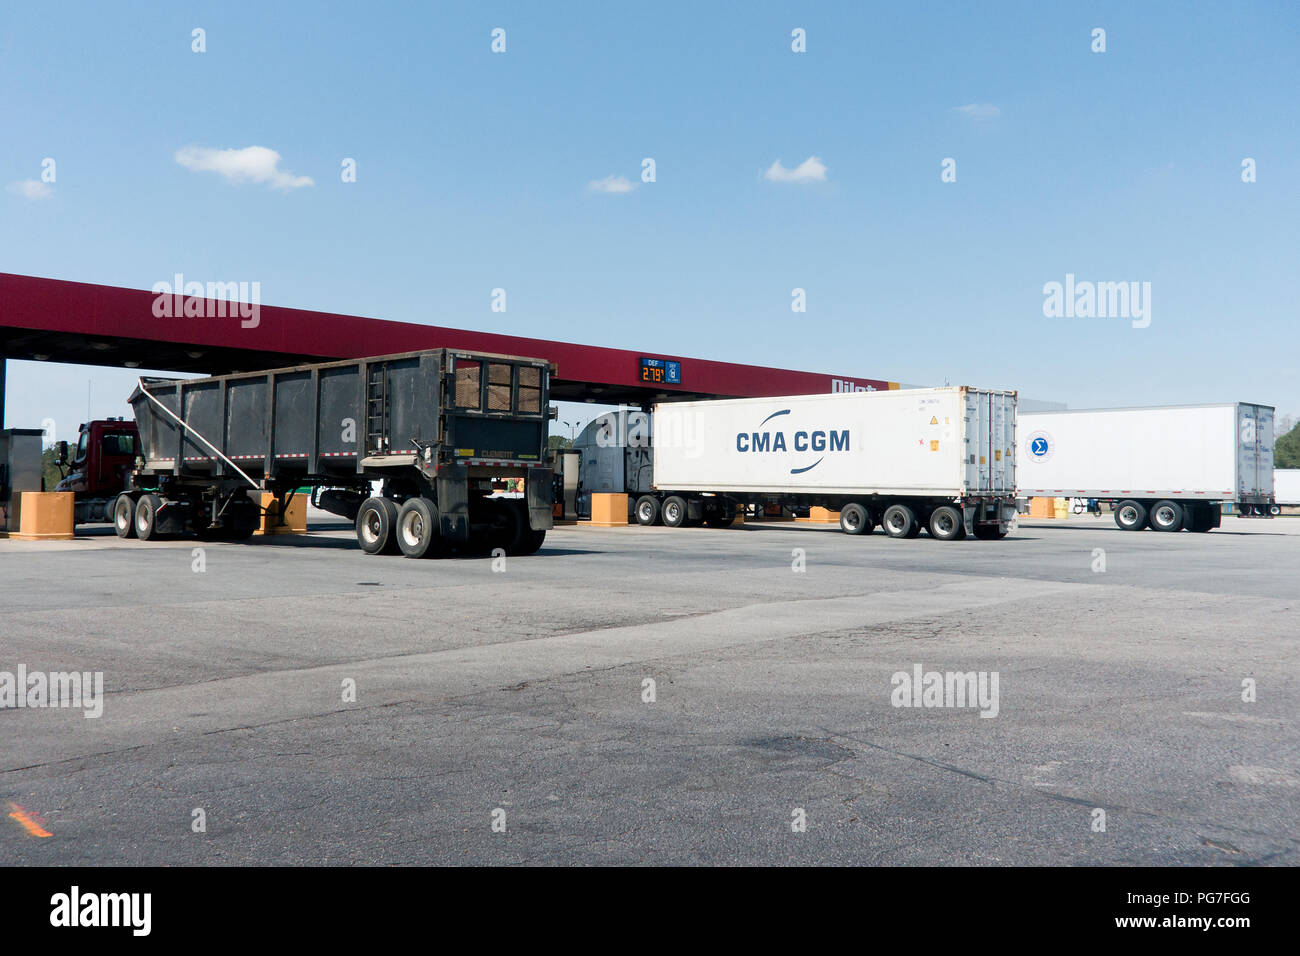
<point>539,489</point>
<point>453,502</point>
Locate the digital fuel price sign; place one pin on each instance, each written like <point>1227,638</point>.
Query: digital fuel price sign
<point>661,371</point>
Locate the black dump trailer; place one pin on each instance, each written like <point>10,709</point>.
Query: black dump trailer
<point>433,430</point>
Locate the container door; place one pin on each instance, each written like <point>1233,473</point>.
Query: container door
<point>1254,451</point>
<point>979,430</point>
<point>1006,454</point>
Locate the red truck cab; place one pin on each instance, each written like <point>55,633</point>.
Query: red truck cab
<point>105,454</point>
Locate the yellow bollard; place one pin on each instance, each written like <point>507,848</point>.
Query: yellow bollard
<point>295,518</point>
<point>820,516</point>
<point>608,511</point>
<point>44,516</point>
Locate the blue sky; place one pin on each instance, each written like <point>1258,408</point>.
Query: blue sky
<point>474,172</point>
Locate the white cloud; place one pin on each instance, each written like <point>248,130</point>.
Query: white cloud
<point>980,112</point>
<point>811,170</point>
<point>31,189</point>
<point>252,164</point>
<point>611,184</point>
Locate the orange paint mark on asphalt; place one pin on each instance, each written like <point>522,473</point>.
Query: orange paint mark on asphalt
<point>29,823</point>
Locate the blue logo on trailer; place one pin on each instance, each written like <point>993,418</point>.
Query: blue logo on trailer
<point>1039,445</point>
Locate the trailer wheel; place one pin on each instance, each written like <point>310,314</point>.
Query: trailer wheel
<point>674,511</point>
<point>946,523</point>
<point>1167,516</point>
<point>530,542</point>
<point>1275,510</point>
<point>647,510</point>
<point>376,524</point>
<point>1131,515</point>
<point>900,522</point>
<point>855,519</point>
<point>1200,518</point>
<point>124,516</point>
<point>417,528</point>
<point>146,517</point>
<point>508,520</point>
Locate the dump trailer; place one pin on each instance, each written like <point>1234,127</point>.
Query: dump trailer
<point>1166,468</point>
<point>942,459</point>
<point>429,430</point>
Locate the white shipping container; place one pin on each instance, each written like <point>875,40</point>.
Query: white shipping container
<point>1286,486</point>
<point>941,442</point>
<point>1206,452</point>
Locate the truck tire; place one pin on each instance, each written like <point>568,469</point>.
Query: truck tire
<point>674,511</point>
<point>530,542</point>
<point>1166,515</point>
<point>376,526</point>
<point>1275,510</point>
<point>946,523</point>
<point>647,510</point>
<point>1131,515</point>
<point>899,521</point>
<point>418,532</point>
<point>146,517</point>
<point>855,519</point>
<point>124,516</point>
<point>1200,518</point>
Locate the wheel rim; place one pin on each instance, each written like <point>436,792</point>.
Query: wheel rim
<point>672,513</point>
<point>413,529</point>
<point>121,519</point>
<point>1164,517</point>
<point>944,523</point>
<point>897,522</point>
<point>852,521</point>
<point>644,512</point>
<point>1128,515</point>
<point>370,527</point>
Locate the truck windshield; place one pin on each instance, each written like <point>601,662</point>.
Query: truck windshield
<point>118,445</point>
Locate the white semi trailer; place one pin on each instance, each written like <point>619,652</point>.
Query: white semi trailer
<point>942,459</point>
<point>1286,488</point>
<point>1165,468</point>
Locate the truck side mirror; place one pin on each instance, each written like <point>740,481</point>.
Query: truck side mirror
<point>61,453</point>
<point>553,412</point>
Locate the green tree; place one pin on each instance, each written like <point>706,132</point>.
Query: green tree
<point>1286,452</point>
<point>558,441</point>
<point>50,472</point>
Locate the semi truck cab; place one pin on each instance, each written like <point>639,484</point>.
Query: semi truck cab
<point>99,468</point>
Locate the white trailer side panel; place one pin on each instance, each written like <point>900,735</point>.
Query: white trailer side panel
<point>1286,486</point>
<point>1212,452</point>
<point>946,442</point>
